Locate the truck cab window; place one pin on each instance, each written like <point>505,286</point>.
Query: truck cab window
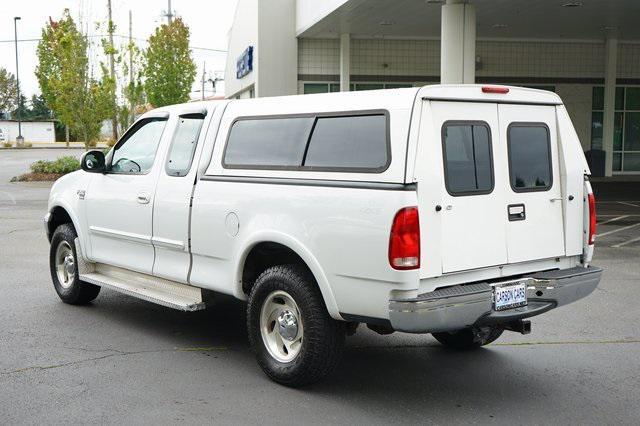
<point>135,153</point>
<point>183,145</point>
<point>468,163</point>
<point>529,157</point>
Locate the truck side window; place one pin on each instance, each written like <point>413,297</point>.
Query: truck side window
<point>184,144</point>
<point>136,151</point>
<point>349,142</point>
<point>468,163</point>
<point>267,142</point>
<point>529,157</point>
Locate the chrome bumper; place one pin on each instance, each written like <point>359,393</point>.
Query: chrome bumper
<point>461,306</point>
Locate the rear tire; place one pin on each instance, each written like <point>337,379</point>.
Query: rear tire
<point>64,271</point>
<point>295,340</point>
<point>469,338</point>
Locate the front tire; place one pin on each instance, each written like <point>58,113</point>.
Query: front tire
<point>469,338</point>
<point>64,271</point>
<point>295,340</point>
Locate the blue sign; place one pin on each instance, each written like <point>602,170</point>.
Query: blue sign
<point>245,63</point>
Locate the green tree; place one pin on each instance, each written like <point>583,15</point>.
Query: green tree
<point>64,72</point>
<point>8,91</point>
<point>39,109</point>
<point>132,60</point>
<point>170,70</point>
<point>22,110</point>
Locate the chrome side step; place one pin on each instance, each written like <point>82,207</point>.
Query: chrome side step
<point>152,289</point>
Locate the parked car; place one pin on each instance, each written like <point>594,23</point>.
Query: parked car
<point>453,210</point>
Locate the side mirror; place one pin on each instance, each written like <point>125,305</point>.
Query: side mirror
<point>93,162</point>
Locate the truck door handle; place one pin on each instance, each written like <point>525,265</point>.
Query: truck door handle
<point>516,212</point>
<point>143,199</point>
<point>553,200</point>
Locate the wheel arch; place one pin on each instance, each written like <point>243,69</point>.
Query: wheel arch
<point>60,214</point>
<point>281,244</point>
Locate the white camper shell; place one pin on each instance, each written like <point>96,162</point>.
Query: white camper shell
<point>453,210</point>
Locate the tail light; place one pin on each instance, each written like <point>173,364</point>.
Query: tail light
<point>404,241</point>
<point>592,218</point>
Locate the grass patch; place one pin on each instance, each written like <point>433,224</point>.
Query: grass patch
<point>49,171</point>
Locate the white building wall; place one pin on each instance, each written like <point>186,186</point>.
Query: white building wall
<point>308,12</point>
<point>270,28</point>
<point>243,33</point>
<point>277,49</point>
<point>573,68</point>
<point>540,59</point>
<point>628,60</point>
<point>32,131</point>
<point>497,58</point>
<point>577,100</point>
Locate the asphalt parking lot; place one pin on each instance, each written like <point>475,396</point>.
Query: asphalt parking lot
<point>122,360</point>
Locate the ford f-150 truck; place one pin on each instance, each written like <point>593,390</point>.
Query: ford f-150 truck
<point>453,210</point>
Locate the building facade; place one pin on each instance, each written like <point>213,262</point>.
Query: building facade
<point>32,131</point>
<point>587,52</point>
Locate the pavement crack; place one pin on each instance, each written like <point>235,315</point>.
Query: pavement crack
<point>116,353</point>
<point>17,230</point>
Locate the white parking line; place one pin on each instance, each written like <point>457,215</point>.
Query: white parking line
<point>628,204</point>
<point>633,240</point>
<point>612,220</point>
<point>617,230</point>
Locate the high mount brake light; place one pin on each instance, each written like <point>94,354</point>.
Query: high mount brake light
<point>404,240</point>
<point>495,89</point>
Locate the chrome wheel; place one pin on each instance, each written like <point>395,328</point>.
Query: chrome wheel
<point>281,326</point>
<point>65,264</point>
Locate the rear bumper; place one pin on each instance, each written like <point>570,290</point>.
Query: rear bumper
<point>462,306</point>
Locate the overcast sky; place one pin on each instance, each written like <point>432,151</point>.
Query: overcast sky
<point>209,22</point>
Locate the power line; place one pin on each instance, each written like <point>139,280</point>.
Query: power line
<point>142,40</point>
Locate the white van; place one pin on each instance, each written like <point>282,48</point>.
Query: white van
<point>452,210</point>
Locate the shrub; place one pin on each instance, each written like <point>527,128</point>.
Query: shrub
<point>61,166</point>
<point>7,144</point>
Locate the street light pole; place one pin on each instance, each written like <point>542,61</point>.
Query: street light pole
<point>19,139</point>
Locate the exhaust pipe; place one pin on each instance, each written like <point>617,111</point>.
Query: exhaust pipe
<point>519,326</point>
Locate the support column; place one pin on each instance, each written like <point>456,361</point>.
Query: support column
<point>345,62</point>
<point>611,58</point>
<point>458,43</point>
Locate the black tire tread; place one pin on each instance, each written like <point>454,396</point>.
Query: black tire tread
<point>80,293</point>
<point>323,336</point>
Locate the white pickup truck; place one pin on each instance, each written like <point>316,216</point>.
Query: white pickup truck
<point>452,210</point>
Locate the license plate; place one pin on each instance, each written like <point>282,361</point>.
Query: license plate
<point>509,296</point>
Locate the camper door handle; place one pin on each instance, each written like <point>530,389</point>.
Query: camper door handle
<point>516,212</point>
<point>553,200</point>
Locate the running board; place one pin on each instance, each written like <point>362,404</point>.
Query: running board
<point>152,289</point>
